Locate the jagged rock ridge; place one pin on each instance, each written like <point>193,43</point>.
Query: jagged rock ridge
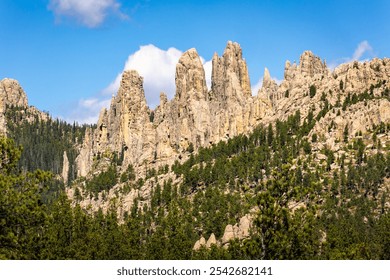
<point>194,117</point>
<point>200,118</point>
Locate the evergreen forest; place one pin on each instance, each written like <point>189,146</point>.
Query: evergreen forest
<point>342,202</point>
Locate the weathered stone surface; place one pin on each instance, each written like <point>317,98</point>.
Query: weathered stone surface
<point>228,234</point>
<point>201,242</point>
<point>84,159</point>
<point>311,65</point>
<point>197,245</point>
<point>355,77</point>
<point>190,78</point>
<point>230,78</point>
<point>244,227</point>
<point>65,168</point>
<point>125,127</point>
<point>11,93</point>
<point>212,241</point>
<point>269,89</point>
<point>358,118</point>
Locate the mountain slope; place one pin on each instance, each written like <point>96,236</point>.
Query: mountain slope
<point>354,96</point>
<point>299,171</point>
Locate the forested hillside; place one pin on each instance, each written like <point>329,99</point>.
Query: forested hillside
<point>44,143</point>
<point>342,213</point>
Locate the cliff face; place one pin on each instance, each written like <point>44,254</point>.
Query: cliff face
<point>197,117</point>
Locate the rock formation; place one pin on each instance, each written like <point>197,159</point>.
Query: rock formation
<point>197,118</point>
<point>200,118</point>
<point>294,92</point>
<point>240,230</point>
<point>65,168</point>
<point>194,116</point>
<point>198,244</point>
<point>124,128</point>
<point>211,241</point>
<point>11,94</point>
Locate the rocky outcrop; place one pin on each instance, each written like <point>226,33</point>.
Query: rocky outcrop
<point>311,65</point>
<point>233,108</point>
<point>240,231</point>
<point>124,128</point>
<point>211,241</point>
<point>190,78</point>
<point>11,94</point>
<point>65,168</point>
<point>230,78</point>
<point>359,118</point>
<point>269,88</point>
<point>358,77</point>
<point>309,82</point>
<point>189,118</point>
<point>198,244</point>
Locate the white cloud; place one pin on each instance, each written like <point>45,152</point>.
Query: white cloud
<point>87,110</point>
<point>90,13</point>
<point>208,67</point>
<point>257,86</point>
<point>362,49</point>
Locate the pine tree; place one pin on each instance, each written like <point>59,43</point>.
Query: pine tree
<point>21,212</point>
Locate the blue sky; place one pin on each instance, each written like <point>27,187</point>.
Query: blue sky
<point>68,54</point>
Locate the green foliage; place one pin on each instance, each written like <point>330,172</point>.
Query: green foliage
<point>306,147</point>
<point>341,85</point>
<point>150,173</point>
<point>312,91</point>
<point>22,214</point>
<point>329,158</point>
<point>9,156</point>
<point>151,116</point>
<point>345,133</point>
<point>190,148</point>
<point>128,175</point>
<point>104,181</point>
